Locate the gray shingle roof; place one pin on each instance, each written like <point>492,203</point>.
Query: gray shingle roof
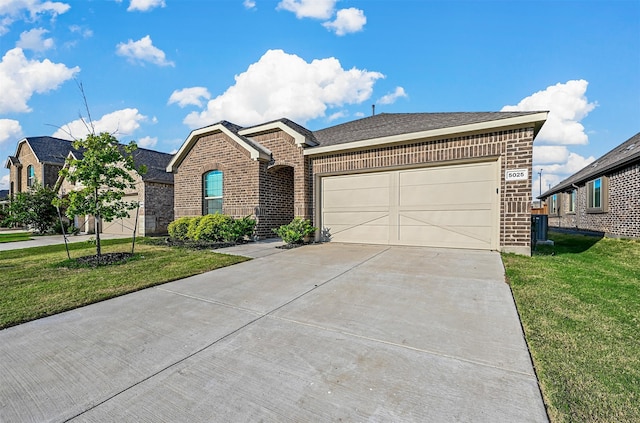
<point>50,149</point>
<point>56,150</point>
<point>623,155</point>
<point>389,124</point>
<point>156,163</point>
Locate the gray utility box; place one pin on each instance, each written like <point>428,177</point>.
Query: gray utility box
<point>539,226</point>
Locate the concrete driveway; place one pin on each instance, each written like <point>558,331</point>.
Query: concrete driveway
<point>329,332</point>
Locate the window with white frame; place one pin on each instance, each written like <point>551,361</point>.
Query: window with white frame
<point>212,182</point>
<point>31,176</point>
<point>572,201</point>
<point>597,195</point>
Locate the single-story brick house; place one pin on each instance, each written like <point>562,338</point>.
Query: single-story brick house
<point>603,197</point>
<point>41,158</point>
<point>460,180</point>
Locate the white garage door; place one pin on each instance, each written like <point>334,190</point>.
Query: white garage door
<point>452,206</point>
<point>123,226</point>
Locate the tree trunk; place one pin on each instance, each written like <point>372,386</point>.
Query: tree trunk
<point>97,226</point>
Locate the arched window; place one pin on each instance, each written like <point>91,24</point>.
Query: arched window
<point>31,176</point>
<point>212,192</point>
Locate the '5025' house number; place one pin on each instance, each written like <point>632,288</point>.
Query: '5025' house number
<point>516,175</point>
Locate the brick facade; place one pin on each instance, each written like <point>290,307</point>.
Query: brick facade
<point>622,212</point>
<point>513,148</point>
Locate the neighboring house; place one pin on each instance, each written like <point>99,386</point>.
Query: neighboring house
<point>428,179</point>
<point>603,197</point>
<point>41,158</point>
<point>36,159</point>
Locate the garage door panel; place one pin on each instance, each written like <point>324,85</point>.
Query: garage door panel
<point>356,218</point>
<point>358,198</point>
<point>463,192</point>
<point>444,217</point>
<point>355,182</point>
<point>443,175</point>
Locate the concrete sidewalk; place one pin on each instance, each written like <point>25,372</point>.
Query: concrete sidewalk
<point>43,240</point>
<point>325,332</point>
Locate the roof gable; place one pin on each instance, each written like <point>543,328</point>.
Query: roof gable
<point>301,135</point>
<point>49,149</point>
<point>256,151</point>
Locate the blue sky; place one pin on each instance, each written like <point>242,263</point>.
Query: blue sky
<point>153,70</point>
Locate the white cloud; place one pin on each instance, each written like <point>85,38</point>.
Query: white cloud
<point>5,181</point>
<point>147,142</point>
<point>249,4</point>
<point>34,40</point>
<point>142,51</point>
<point>145,5</point>
<point>120,123</point>
<point>85,32</point>
<point>318,9</point>
<point>21,78</point>
<point>555,172</point>
<point>9,130</point>
<point>189,96</point>
<point>567,106</point>
<point>546,154</point>
<point>337,115</point>
<point>392,97</point>
<point>347,21</point>
<point>13,10</point>
<point>573,163</point>
<point>285,85</point>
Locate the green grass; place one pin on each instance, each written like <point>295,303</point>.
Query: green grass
<point>34,282</point>
<point>579,302</point>
<point>13,237</point>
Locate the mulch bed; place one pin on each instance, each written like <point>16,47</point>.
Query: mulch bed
<point>104,259</point>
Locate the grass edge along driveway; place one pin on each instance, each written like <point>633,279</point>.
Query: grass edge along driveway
<point>35,282</point>
<point>579,303</point>
<point>14,237</point>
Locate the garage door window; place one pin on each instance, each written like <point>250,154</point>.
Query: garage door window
<point>212,192</point>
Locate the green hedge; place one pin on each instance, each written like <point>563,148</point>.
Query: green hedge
<point>212,228</point>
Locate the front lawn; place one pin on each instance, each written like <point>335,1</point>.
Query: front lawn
<point>36,282</point>
<point>579,303</point>
<point>15,236</point>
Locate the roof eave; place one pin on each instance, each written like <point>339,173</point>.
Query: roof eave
<point>535,119</point>
<point>564,186</point>
<point>255,153</point>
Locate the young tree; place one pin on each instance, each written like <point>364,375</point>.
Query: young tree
<point>33,208</point>
<point>103,173</point>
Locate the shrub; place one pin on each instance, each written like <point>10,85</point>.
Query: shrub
<point>179,227</point>
<point>192,229</point>
<point>211,227</point>
<point>296,231</point>
<point>240,228</point>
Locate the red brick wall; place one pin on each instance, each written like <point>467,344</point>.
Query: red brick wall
<point>514,147</point>
<point>240,177</point>
<point>285,185</point>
